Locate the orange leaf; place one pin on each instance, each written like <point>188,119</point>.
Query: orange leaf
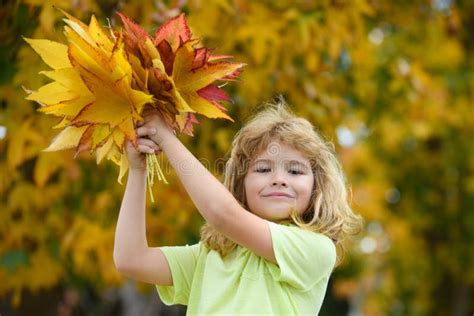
<point>174,31</point>
<point>188,80</point>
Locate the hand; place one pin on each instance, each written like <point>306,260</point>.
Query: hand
<point>136,156</point>
<point>153,119</point>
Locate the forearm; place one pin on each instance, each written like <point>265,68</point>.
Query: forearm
<point>208,194</point>
<point>130,233</point>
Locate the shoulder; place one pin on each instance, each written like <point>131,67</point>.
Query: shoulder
<point>294,231</point>
<point>305,241</point>
<point>303,257</point>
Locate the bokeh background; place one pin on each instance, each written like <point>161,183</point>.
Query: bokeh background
<point>391,83</point>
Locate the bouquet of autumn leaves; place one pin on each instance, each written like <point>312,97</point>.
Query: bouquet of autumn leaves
<point>102,81</point>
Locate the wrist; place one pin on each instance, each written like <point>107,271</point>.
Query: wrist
<point>137,170</point>
<point>161,137</point>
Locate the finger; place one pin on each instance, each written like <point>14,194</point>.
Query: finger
<point>147,142</point>
<point>145,131</point>
<point>145,149</point>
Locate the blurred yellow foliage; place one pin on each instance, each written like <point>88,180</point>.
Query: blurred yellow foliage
<point>389,82</point>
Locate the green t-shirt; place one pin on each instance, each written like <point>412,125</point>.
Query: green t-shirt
<point>246,284</point>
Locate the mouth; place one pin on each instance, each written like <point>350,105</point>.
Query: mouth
<point>278,195</point>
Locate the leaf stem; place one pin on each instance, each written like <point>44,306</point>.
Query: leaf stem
<point>153,168</point>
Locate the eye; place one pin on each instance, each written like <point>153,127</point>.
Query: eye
<point>296,171</point>
<point>262,170</point>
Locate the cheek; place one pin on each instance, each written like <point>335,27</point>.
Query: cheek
<point>306,188</point>
<point>247,187</point>
<point>249,183</point>
<point>252,188</point>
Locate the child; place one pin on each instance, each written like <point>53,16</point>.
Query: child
<point>269,243</point>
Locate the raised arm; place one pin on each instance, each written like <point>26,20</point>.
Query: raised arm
<point>215,203</point>
<point>132,256</point>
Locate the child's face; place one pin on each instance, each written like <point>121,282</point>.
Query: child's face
<point>278,179</point>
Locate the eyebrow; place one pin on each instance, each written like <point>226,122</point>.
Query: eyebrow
<point>293,161</point>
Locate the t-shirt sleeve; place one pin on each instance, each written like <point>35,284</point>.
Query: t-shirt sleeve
<point>182,261</point>
<point>303,257</point>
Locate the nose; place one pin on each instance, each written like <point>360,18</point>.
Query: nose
<point>279,179</point>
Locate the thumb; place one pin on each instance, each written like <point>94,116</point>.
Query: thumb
<point>130,147</point>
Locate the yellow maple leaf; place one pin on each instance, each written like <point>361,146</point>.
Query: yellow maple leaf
<point>101,83</point>
<point>91,89</point>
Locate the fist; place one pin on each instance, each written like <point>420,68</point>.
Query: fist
<point>136,156</point>
<point>153,120</point>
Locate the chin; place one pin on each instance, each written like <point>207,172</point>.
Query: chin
<point>274,215</point>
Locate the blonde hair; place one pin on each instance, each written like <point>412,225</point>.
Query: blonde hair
<point>329,212</point>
